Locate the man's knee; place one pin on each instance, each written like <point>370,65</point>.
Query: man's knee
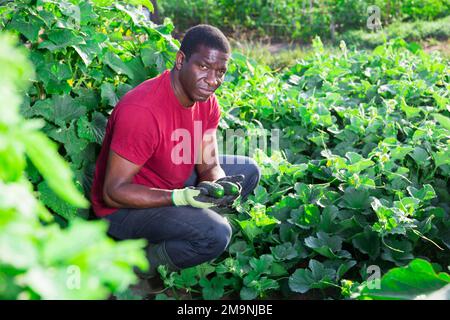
<point>252,177</point>
<point>254,172</point>
<point>218,235</point>
<point>222,236</point>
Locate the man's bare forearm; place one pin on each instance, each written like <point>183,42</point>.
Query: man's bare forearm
<point>138,196</point>
<point>212,174</point>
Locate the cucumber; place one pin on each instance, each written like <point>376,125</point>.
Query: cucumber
<point>230,188</point>
<point>214,189</point>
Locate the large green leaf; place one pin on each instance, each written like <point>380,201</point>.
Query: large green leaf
<point>60,39</point>
<point>367,242</point>
<point>442,157</point>
<point>306,216</point>
<point>94,130</point>
<point>66,110</point>
<point>443,120</point>
<point>410,282</point>
<point>29,27</point>
<point>74,146</point>
<point>54,169</point>
<point>52,201</point>
<point>326,245</point>
<point>113,61</point>
<point>88,51</point>
<point>285,251</point>
<point>60,109</point>
<point>213,289</point>
<point>317,276</point>
<point>108,94</point>
<point>424,194</point>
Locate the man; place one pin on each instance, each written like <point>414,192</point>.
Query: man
<point>145,187</point>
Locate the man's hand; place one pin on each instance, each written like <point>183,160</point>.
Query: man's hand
<point>232,187</point>
<point>220,193</point>
<point>198,197</point>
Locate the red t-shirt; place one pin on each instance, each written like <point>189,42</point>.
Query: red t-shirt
<point>150,127</point>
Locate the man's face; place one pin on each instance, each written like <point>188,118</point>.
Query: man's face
<point>203,73</point>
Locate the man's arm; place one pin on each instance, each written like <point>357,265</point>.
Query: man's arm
<point>209,169</point>
<point>120,192</point>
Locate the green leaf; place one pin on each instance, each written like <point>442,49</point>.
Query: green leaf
<point>146,3</point>
<point>108,94</point>
<point>328,218</point>
<point>407,283</point>
<point>12,160</point>
<point>328,246</point>
<point>89,51</point>
<point>397,251</point>
<point>443,120</point>
<point>356,199</point>
<point>187,278</point>
<point>52,201</point>
<point>259,216</point>
<point>400,152</point>
<point>248,293</point>
<point>93,131</point>
<point>61,38</point>
<point>344,268</point>
<point>122,89</point>
<point>29,28</point>
<point>262,264</point>
<point>56,172</point>
<point>66,110</point>
<point>113,61</point>
<point>367,242</point>
<point>250,229</point>
<point>305,217</point>
<point>421,156</point>
<point>354,157</point>
<point>410,112</point>
<point>318,276</point>
<point>360,166</point>
<point>285,251</point>
<point>442,157</point>
<point>140,73</point>
<point>89,98</point>
<point>278,270</point>
<point>238,246</point>
<point>42,108</point>
<point>204,270</point>
<point>265,284</point>
<point>77,149</point>
<point>424,194</point>
<point>214,289</point>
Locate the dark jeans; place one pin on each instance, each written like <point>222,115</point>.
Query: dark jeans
<point>181,237</point>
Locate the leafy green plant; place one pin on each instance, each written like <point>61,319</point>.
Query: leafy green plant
<point>87,54</point>
<point>299,20</point>
<point>417,280</point>
<point>362,175</point>
<point>39,260</point>
<point>410,31</point>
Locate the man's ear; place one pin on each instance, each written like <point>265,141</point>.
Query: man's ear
<point>179,60</point>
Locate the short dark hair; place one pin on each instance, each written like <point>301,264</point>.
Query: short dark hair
<point>204,34</point>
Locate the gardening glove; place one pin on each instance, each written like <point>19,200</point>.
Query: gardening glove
<point>205,195</point>
<point>232,187</point>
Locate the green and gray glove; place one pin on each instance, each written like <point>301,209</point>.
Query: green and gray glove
<point>205,195</point>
